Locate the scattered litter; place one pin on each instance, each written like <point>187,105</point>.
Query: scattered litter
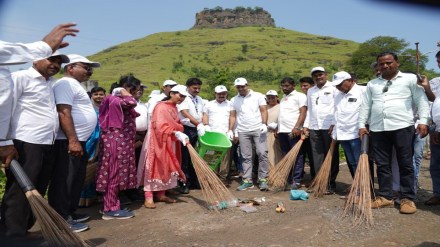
<point>299,195</point>
<point>248,208</point>
<point>280,207</point>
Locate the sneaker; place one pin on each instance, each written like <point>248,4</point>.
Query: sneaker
<point>381,202</point>
<point>433,201</point>
<point>77,218</point>
<point>245,185</point>
<point>263,185</point>
<point>407,206</point>
<point>76,226</point>
<point>118,214</point>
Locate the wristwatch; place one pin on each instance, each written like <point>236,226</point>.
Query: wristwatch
<point>299,128</point>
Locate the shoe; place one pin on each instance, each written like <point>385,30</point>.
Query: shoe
<point>118,214</point>
<point>433,201</point>
<point>77,218</point>
<point>295,186</point>
<point>245,185</point>
<point>407,206</point>
<point>184,189</point>
<point>166,199</point>
<point>76,226</point>
<point>381,202</point>
<point>263,185</point>
<point>149,205</point>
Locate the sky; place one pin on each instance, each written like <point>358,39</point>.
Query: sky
<point>105,23</point>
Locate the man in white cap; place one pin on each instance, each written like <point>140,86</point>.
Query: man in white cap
<point>216,118</point>
<point>77,121</point>
<point>249,112</point>
<point>290,124</point>
<point>319,123</point>
<point>34,124</point>
<point>152,102</point>
<point>19,53</point>
<point>347,106</point>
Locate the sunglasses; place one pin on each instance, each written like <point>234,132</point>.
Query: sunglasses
<point>385,89</point>
<point>87,68</point>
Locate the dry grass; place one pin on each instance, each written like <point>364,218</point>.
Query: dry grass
<point>213,189</point>
<point>321,182</point>
<point>279,173</point>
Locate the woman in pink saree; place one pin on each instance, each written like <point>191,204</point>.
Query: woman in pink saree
<point>161,154</point>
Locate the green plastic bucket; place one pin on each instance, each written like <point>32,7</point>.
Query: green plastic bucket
<point>213,147</point>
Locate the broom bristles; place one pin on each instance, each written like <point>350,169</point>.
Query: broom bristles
<point>54,228</point>
<point>278,174</point>
<point>358,204</point>
<point>213,189</point>
<point>320,184</point>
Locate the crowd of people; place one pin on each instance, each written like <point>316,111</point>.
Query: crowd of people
<point>57,130</point>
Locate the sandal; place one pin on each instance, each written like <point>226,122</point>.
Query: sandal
<point>149,205</point>
<point>166,199</point>
<point>433,201</point>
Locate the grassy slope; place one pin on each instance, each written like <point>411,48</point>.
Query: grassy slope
<point>154,57</point>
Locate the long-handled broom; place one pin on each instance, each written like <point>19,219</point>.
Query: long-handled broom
<point>278,174</point>
<point>213,190</point>
<point>54,228</point>
<point>358,204</point>
<point>320,184</point>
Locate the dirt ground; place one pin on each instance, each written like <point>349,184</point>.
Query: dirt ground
<point>315,222</point>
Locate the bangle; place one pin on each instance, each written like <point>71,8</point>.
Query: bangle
<point>299,128</point>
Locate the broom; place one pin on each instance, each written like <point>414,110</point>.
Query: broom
<point>213,190</point>
<point>54,228</point>
<point>278,174</point>
<point>358,203</point>
<point>320,184</point>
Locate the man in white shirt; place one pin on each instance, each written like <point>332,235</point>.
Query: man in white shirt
<point>347,105</point>
<point>18,53</point>
<point>320,121</point>
<point>191,114</point>
<point>77,121</point>
<point>249,112</point>
<point>154,99</point>
<point>387,106</point>
<point>216,116</point>
<point>434,138</point>
<point>291,118</point>
<point>34,124</point>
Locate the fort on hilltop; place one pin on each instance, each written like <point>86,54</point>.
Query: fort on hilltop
<point>230,18</point>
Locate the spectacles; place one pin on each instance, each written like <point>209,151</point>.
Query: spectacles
<point>385,89</point>
<point>87,68</point>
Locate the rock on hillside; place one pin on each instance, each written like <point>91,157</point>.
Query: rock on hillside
<point>230,18</point>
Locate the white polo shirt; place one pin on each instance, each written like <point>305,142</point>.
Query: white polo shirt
<point>195,106</point>
<point>247,108</point>
<point>69,91</point>
<point>320,107</point>
<point>218,115</point>
<point>34,115</point>
<point>347,108</point>
<point>142,120</point>
<point>289,111</point>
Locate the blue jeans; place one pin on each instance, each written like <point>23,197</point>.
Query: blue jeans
<point>419,143</point>
<point>287,144</point>
<point>352,150</point>
<point>434,167</point>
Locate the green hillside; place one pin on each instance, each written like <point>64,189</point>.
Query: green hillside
<point>262,55</point>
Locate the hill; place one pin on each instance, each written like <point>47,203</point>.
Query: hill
<point>261,54</point>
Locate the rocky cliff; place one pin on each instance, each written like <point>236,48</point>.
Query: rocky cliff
<point>230,18</point>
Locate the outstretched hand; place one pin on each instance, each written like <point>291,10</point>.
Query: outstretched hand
<point>55,38</point>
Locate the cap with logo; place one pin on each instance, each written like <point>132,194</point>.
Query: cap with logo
<point>180,89</point>
<point>220,89</point>
<point>75,58</point>
<point>64,58</point>
<point>240,81</point>
<point>169,83</point>
<point>272,92</point>
<point>339,77</point>
<point>317,69</point>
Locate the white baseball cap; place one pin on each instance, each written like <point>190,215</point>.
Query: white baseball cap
<point>272,92</point>
<point>75,58</point>
<point>64,58</point>
<point>317,69</point>
<point>169,83</point>
<point>339,77</point>
<point>154,93</point>
<point>240,81</point>
<point>220,89</point>
<point>180,89</point>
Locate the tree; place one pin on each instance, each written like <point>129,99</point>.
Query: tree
<point>365,55</point>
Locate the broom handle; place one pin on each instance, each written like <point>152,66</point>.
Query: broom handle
<point>364,144</point>
<point>21,177</point>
